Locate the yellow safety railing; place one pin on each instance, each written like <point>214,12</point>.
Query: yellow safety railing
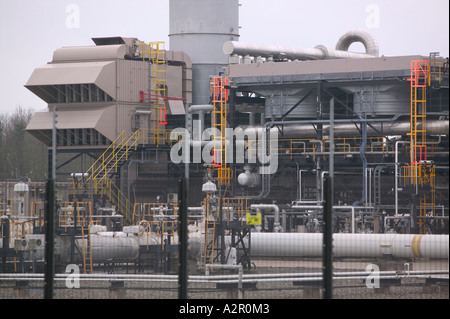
<point>421,171</point>
<point>115,196</point>
<point>235,208</point>
<point>294,146</point>
<point>162,229</point>
<point>155,54</point>
<point>210,236</point>
<point>37,213</point>
<point>66,214</point>
<point>116,152</point>
<point>86,248</point>
<point>108,163</point>
<point>120,150</point>
<point>18,229</point>
<point>4,204</point>
<point>219,94</point>
<point>148,211</point>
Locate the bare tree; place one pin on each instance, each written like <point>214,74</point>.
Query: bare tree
<point>21,155</point>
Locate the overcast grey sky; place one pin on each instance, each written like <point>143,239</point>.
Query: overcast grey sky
<point>30,30</point>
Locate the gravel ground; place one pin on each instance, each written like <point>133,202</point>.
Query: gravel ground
<point>410,288</point>
<point>344,289</point>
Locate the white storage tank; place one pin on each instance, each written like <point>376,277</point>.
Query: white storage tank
<point>21,200</point>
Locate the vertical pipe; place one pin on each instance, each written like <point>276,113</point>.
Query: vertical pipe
<point>364,160</point>
<point>221,228</point>
<point>73,231</point>
<point>188,123</point>
<point>396,175</point>
<point>251,119</point>
<point>319,138</point>
<point>182,215</point>
<point>331,134</point>
<point>54,145</point>
<point>353,219</point>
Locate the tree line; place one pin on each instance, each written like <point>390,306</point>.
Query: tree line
<point>22,156</point>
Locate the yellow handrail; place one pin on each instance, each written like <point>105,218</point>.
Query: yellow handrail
<point>88,251</point>
<point>106,154</point>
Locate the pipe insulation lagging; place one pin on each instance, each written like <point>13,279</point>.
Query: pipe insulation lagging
<point>109,247</point>
<point>353,36</point>
<point>320,52</point>
<point>350,245</point>
<point>434,127</point>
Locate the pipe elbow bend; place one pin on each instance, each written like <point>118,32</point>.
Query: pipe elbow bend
<point>362,36</point>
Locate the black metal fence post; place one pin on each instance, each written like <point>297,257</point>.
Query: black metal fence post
<point>328,239</point>
<point>49,239</point>
<point>182,217</point>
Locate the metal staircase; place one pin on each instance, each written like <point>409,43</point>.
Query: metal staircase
<point>108,164</point>
<point>98,176</point>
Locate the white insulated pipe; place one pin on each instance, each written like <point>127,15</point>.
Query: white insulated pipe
<point>305,130</point>
<point>320,52</point>
<point>273,208</point>
<point>396,174</point>
<point>201,108</point>
<point>277,51</point>
<point>435,127</point>
<point>350,245</point>
<point>107,245</point>
<point>362,36</point>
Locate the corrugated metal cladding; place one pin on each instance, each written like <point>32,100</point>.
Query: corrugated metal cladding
<point>383,100</point>
<point>174,80</point>
<point>280,102</point>
<point>132,77</point>
<point>124,114</point>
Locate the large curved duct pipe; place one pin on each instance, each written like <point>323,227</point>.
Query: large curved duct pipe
<point>200,110</point>
<point>353,36</point>
<point>320,52</point>
<point>350,245</point>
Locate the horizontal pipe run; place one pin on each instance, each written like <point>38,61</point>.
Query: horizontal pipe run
<point>38,276</point>
<point>350,245</point>
<point>320,52</point>
<point>251,278</point>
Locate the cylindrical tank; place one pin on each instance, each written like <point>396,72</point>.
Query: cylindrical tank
<point>200,28</point>
<point>21,203</point>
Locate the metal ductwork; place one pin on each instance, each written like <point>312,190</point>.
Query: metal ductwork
<point>433,127</point>
<point>375,129</point>
<point>364,37</point>
<point>320,52</point>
